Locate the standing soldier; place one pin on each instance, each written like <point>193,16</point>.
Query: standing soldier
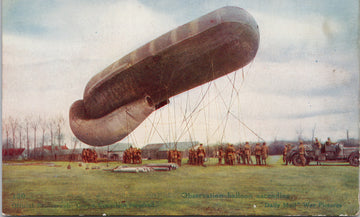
<point>131,152</point>
<point>231,154</point>
<point>201,154</point>
<point>285,151</point>
<point>138,156</point>
<point>87,155</point>
<point>221,154</point>
<point>302,153</point>
<point>190,156</point>
<point>173,156</point>
<point>124,156</point>
<point>95,156</point>
<point>83,155</point>
<point>258,153</point>
<point>264,153</point>
<point>242,154</point>
<point>226,156</point>
<point>179,158</point>
<point>169,156</point>
<point>196,158</point>
<point>128,160</point>
<point>328,142</point>
<point>317,146</point>
<point>247,152</point>
<point>238,156</point>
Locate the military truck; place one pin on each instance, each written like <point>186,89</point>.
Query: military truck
<point>328,153</point>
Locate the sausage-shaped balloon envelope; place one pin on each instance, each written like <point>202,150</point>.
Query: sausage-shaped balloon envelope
<point>119,98</point>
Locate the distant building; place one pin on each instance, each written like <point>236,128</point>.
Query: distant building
<point>49,152</point>
<point>69,155</point>
<point>159,150</point>
<point>113,152</point>
<point>13,153</point>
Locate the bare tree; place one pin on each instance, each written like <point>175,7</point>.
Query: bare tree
<point>51,127</point>
<point>34,126</point>
<point>313,134</point>
<point>20,129</point>
<point>43,126</point>
<point>13,125</point>
<point>59,124</point>
<point>75,142</point>
<point>27,126</point>
<point>6,128</point>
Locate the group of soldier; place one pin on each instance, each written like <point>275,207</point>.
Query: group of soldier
<point>197,157</point>
<point>243,154</point>
<point>174,156</point>
<point>89,155</point>
<point>318,147</point>
<point>132,156</point>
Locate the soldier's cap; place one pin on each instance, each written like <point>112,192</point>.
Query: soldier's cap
<point>246,142</point>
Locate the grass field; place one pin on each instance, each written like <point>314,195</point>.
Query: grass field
<point>190,190</point>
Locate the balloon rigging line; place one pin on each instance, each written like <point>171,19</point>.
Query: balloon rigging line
<point>246,126</point>
<point>228,109</point>
<point>188,118</point>
<point>158,133</point>
<point>196,110</point>
<point>187,127</point>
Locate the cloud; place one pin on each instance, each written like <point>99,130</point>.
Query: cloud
<point>305,37</point>
<point>301,77</point>
<point>80,40</point>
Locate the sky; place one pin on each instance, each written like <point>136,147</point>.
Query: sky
<point>304,80</point>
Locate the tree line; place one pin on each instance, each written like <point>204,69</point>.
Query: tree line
<point>32,132</point>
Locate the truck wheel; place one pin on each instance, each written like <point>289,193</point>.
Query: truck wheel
<point>296,160</point>
<point>354,159</point>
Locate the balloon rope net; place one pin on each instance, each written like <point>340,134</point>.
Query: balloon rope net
<point>188,116</point>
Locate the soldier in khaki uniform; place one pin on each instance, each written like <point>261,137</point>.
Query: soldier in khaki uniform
<point>242,154</point>
<point>126,156</point>
<point>173,156</point>
<point>196,158</point>
<point>231,154</point>
<point>328,142</point>
<point>258,153</point>
<point>238,157</point>
<point>139,156</point>
<point>317,146</point>
<point>247,152</point>
<point>285,151</point>
<point>201,155</point>
<point>95,156</point>
<point>302,153</point>
<point>131,155</point>
<point>221,154</point>
<point>179,158</point>
<point>169,156</point>
<point>264,153</point>
<point>191,156</point>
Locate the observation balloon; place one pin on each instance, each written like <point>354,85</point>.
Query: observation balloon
<point>123,95</point>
